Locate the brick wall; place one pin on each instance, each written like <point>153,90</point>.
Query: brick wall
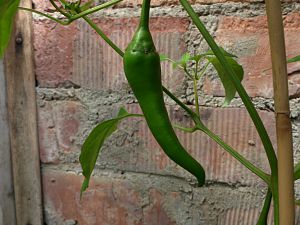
<point>80,82</point>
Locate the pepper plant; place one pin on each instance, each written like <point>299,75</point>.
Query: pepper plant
<point>143,72</point>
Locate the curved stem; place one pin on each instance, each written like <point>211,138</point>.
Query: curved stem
<point>203,70</point>
<point>105,38</point>
<point>265,177</point>
<point>274,186</point>
<point>60,10</point>
<point>263,217</point>
<point>196,96</point>
<point>192,114</point>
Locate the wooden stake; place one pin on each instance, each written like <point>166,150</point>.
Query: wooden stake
<point>282,110</point>
<point>7,201</point>
<point>21,102</point>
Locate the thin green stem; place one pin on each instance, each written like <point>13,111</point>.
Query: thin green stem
<point>240,89</point>
<point>265,177</point>
<point>187,72</point>
<point>94,9</point>
<point>196,96</point>
<point>192,114</point>
<point>59,10</point>
<point>196,69</point>
<point>203,70</point>
<point>104,37</point>
<point>263,217</point>
<point>67,22</point>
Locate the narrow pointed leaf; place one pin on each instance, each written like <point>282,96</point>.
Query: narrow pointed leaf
<point>184,59</point>
<point>92,145</point>
<point>229,87</point>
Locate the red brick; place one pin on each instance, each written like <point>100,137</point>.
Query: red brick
<point>53,46</point>
<point>64,54</point>
<point>59,123</point>
<point>249,38</point>
<point>154,212</point>
<point>107,201</point>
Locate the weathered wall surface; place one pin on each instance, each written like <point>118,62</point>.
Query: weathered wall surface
<point>80,82</point>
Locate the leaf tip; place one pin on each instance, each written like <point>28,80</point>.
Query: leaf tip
<point>84,186</point>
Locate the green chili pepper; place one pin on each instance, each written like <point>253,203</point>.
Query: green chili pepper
<point>143,72</point>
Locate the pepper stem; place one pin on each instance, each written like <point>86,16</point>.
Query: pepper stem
<point>144,21</point>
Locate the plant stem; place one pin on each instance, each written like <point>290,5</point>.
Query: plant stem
<point>104,37</point>
<point>94,9</point>
<point>192,114</point>
<point>263,217</point>
<point>265,177</point>
<point>196,96</point>
<point>274,188</point>
<point>203,70</point>
<point>59,10</point>
<point>64,23</point>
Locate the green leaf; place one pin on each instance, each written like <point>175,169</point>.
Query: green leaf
<point>8,9</point>
<point>184,59</point>
<point>197,57</point>
<point>229,87</point>
<point>93,143</point>
<point>294,59</point>
<point>297,171</point>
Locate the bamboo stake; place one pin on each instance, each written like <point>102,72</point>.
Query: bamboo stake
<point>282,111</point>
